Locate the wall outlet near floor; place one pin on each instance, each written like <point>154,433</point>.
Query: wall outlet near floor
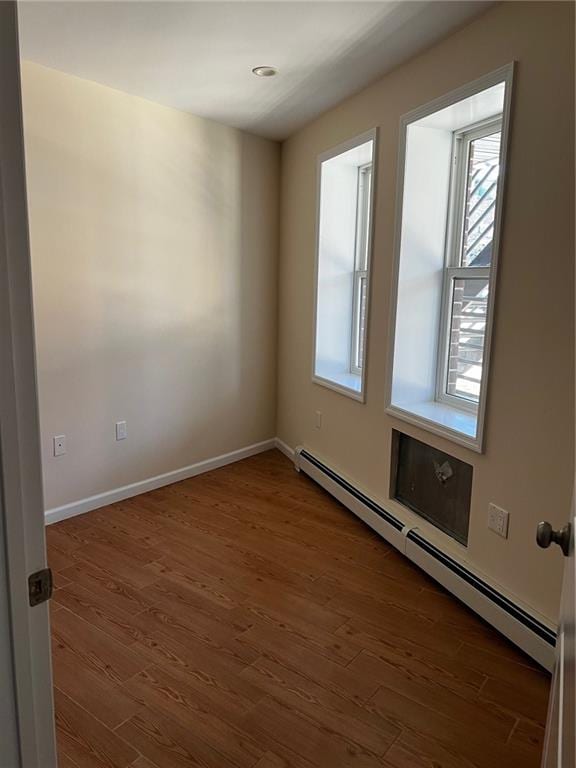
<point>498,520</point>
<point>121,430</point>
<point>318,423</point>
<point>59,442</point>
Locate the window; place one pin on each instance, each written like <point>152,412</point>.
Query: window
<point>474,184</point>
<point>360,296</point>
<point>450,206</point>
<point>343,265</point>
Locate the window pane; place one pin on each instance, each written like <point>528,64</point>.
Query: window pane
<point>364,184</point>
<point>361,260</point>
<point>363,282</point>
<point>480,204</point>
<point>467,332</point>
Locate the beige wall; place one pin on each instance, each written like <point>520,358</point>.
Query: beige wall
<point>154,250</point>
<point>527,466</point>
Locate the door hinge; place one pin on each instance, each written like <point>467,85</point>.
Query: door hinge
<point>40,586</point>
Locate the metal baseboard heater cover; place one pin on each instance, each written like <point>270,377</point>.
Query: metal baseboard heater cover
<point>513,621</point>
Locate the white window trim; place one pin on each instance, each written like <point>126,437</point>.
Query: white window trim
<point>362,211</point>
<point>454,244</point>
<point>455,228</point>
<point>359,276</point>
<point>442,396</point>
<point>442,427</point>
<point>370,135</point>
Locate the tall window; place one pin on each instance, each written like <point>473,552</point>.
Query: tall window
<point>452,164</point>
<point>343,265</point>
<point>474,185</point>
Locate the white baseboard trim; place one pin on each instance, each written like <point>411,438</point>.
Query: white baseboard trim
<point>143,486</point>
<point>285,449</point>
<point>524,628</point>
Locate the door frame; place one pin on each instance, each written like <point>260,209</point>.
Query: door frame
<point>20,463</point>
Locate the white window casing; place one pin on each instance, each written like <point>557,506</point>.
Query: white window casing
<point>345,200</point>
<point>445,271</point>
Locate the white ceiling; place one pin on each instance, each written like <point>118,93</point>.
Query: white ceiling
<point>198,56</point>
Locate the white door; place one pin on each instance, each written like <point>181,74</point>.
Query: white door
<point>560,742</point>
<point>26,709</point>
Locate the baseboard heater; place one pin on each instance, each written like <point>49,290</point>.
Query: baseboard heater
<point>524,630</point>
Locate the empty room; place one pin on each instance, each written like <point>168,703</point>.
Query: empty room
<point>287,384</point>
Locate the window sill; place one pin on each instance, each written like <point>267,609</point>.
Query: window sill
<point>346,383</point>
<point>458,425</point>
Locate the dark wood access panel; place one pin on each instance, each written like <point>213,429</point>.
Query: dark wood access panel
<point>433,484</point>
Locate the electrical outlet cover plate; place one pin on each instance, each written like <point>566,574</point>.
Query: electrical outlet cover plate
<point>498,520</point>
<point>59,445</point>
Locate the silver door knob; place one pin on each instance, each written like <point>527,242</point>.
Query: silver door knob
<point>546,535</point>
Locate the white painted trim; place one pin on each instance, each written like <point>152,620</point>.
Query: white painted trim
<point>370,135</point>
<point>285,449</point>
<point>503,74</point>
<point>151,483</point>
<point>353,394</point>
<point>20,465</point>
<point>513,629</point>
<point>345,146</point>
<point>434,427</point>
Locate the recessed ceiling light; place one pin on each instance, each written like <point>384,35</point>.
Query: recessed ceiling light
<point>265,71</point>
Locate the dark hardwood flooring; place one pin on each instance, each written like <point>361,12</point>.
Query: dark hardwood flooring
<point>244,619</point>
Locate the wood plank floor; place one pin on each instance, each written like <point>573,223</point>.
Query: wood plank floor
<point>244,619</point>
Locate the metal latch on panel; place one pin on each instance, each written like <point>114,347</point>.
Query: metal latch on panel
<point>40,586</point>
<point>443,473</point>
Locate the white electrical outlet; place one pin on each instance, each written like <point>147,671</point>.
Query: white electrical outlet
<point>318,419</point>
<point>59,445</point>
<point>121,430</point>
<point>498,520</point>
